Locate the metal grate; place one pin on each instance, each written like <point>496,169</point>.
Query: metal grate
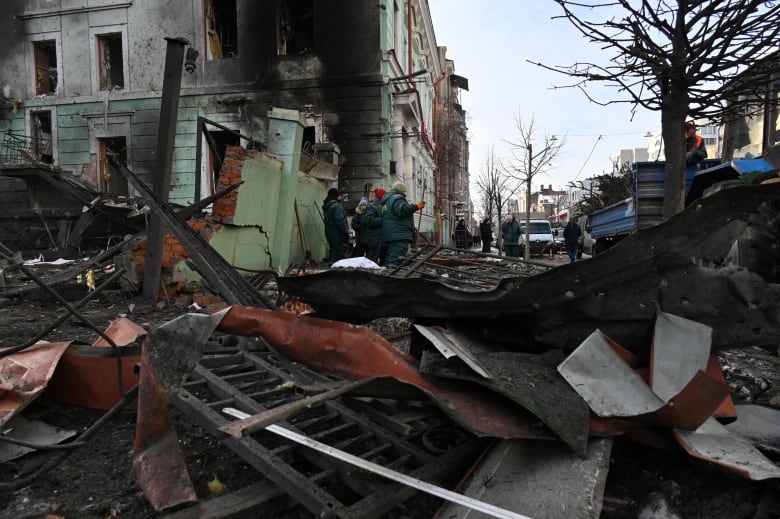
<point>255,380</point>
<point>18,149</point>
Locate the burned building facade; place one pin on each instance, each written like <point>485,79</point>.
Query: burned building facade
<point>81,81</point>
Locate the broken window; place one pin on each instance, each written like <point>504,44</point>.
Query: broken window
<point>295,26</point>
<point>110,62</point>
<point>45,55</point>
<point>309,138</point>
<point>221,29</point>
<point>41,136</point>
<point>221,139</point>
<point>110,180</point>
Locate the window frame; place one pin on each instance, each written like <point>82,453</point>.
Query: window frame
<point>208,55</point>
<point>29,115</point>
<point>95,33</point>
<point>32,82</point>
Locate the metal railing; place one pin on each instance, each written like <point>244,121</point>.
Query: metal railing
<point>19,149</point>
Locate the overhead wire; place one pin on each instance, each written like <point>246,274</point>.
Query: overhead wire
<point>588,157</point>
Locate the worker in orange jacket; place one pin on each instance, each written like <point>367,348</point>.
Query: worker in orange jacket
<point>695,150</point>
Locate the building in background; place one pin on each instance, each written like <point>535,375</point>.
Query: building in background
<point>711,133</point>
<point>453,197</point>
<point>82,81</point>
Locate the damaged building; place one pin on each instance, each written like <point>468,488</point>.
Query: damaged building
<point>457,384</point>
<point>375,96</point>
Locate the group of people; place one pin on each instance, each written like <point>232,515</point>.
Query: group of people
<point>383,227</point>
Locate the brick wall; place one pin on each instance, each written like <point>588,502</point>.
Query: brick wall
<point>223,212</point>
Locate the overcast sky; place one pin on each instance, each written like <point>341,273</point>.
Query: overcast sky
<point>490,41</point>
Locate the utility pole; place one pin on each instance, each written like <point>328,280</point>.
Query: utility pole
<point>161,174</point>
<point>527,238</point>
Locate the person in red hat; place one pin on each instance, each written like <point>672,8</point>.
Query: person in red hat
<point>371,226</point>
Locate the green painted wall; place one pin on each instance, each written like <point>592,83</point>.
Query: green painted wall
<point>258,199</point>
<point>310,194</point>
<point>248,242</point>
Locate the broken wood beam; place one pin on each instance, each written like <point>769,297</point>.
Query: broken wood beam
<point>193,209</point>
<point>259,421</point>
<point>64,317</point>
<point>71,273</point>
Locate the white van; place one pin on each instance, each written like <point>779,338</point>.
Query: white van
<point>585,243</point>
<point>540,238</point>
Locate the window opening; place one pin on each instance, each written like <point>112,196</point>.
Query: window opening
<point>40,143</point>
<point>222,140</point>
<point>295,27</point>
<point>45,53</point>
<point>110,64</point>
<point>110,180</point>
<point>221,29</point>
<point>309,138</point>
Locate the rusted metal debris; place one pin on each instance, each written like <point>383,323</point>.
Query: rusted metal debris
<point>158,464</point>
<point>347,350</point>
<point>254,378</point>
<point>680,267</point>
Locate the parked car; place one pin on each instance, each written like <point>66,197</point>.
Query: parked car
<point>560,243</point>
<point>540,237</point>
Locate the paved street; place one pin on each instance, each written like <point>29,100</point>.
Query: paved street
<point>557,260</point>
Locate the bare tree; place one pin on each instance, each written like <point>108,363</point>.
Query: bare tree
<point>677,57</point>
<point>612,188</point>
<point>495,188</point>
<point>525,164</point>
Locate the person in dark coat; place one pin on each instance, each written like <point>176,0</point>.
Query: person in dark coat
<point>397,223</point>
<point>360,240</point>
<point>371,227</point>
<point>461,234</point>
<point>510,234</point>
<point>695,150</point>
<point>336,231</point>
<point>571,237</point>
<point>486,234</point>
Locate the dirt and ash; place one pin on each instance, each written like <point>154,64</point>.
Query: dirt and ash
<point>95,481</point>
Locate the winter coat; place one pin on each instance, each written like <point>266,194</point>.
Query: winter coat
<point>397,219</point>
<point>695,149</point>
<point>510,232</point>
<point>486,232</point>
<point>371,223</point>
<point>572,232</point>
<point>461,235</point>
<point>336,229</point>
<point>357,225</point>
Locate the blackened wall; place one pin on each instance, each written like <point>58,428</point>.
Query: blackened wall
<point>12,71</point>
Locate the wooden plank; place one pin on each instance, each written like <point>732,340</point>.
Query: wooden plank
<point>72,133</point>
<point>74,160</point>
<point>73,146</point>
<point>254,423</point>
<point>144,141</point>
<point>146,116</point>
<point>237,504</point>
<point>183,166</point>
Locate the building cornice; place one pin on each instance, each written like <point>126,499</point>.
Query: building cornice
<point>73,10</point>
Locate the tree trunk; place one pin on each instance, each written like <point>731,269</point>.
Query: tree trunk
<point>672,121</point>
